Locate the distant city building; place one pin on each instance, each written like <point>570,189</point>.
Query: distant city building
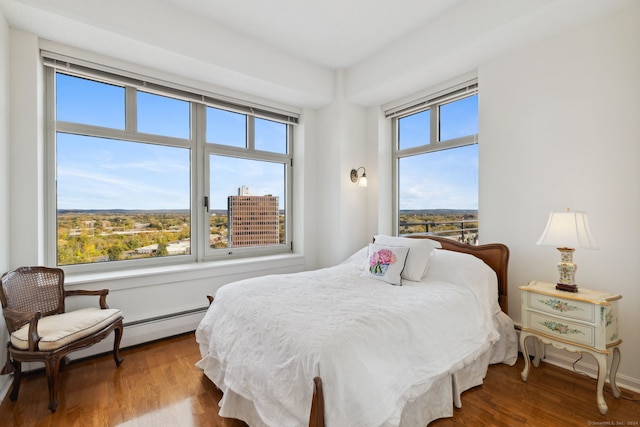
<point>253,220</point>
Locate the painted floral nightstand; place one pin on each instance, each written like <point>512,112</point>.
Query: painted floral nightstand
<point>585,321</point>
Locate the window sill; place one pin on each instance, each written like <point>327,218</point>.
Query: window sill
<point>153,276</point>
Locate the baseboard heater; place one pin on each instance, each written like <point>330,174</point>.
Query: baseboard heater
<point>165,317</point>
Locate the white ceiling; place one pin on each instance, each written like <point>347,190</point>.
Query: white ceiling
<point>289,50</point>
<point>333,33</point>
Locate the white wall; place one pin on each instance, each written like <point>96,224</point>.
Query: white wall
<point>26,167</point>
<point>4,143</point>
<point>4,176</point>
<point>305,169</point>
<point>560,127</point>
<point>341,224</point>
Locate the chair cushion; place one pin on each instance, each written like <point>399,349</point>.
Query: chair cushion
<point>59,330</point>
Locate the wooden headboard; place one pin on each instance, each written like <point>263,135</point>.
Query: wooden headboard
<point>495,255</point>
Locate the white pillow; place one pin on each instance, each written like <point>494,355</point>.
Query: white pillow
<point>386,263</point>
<point>419,255</point>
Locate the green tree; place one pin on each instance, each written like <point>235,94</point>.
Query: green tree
<point>162,249</point>
<point>114,252</point>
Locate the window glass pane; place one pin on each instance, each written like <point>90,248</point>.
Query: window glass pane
<point>459,118</point>
<point>414,130</point>
<point>227,128</point>
<point>247,202</point>
<point>89,102</point>
<point>438,193</point>
<point>161,115</point>
<point>119,200</point>
<point>270,136</point>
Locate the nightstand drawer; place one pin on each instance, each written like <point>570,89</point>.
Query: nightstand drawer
<point>561,328</point>
<point>562,307</point>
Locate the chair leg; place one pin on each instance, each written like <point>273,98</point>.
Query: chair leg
<point>17,376</point>
<point>52,367</point>
<point>64,362</point>
<point>116,343</point>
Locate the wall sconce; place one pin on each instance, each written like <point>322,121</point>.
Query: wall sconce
<point>362,179</point>
<point>567,231</point>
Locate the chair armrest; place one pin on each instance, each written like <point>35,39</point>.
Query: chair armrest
<point>15,320</point>
<point>102,293</point>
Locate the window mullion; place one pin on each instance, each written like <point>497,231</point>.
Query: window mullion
<point>288,233</point>
<point>434,127</point>
<point>50,169</point>
<point>131,109</point>
<point>100,132</point>
<point>440,145</point>
<point>200,186</point>
<point>251,133</point>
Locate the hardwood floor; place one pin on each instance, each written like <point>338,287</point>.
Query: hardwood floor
<point>158,385</point>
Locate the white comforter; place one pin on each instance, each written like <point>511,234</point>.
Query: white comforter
<point>375,346</point>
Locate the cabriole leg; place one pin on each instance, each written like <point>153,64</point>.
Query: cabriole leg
<point>53,369</point>
<point>116,344</point>
<point>17,376</point>
<point>602,373</point>
<point>615,362</point>
<point>525,352</point>
<point>538,347</point>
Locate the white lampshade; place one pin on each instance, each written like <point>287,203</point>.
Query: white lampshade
<point>363,181</point>
<point>568,230</point>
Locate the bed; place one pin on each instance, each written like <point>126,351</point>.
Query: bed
<point>365,343</point>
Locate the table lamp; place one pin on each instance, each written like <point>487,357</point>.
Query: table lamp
<point>567,231</point>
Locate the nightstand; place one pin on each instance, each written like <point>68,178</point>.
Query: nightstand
<point>585,321</point>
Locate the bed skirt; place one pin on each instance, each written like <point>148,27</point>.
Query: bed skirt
<point>437,402</point>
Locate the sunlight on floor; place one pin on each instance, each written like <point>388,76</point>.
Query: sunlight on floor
<point>177,414</point>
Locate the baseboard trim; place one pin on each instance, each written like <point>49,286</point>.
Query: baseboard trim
<point>566,361</point>
<point>5,385</point>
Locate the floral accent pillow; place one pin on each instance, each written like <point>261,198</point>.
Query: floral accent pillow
<point>419,256</point>
<point>386,263</point>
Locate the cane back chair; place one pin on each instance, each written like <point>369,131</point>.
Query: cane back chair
<point>33,305</point>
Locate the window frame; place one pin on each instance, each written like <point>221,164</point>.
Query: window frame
<point>431,102</point>
<point>251,153</point>
<point>198,100</point>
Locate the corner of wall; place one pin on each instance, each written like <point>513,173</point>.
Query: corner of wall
<point>4,180</point>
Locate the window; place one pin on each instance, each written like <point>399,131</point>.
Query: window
<point>248,193</point>
<point>145,174</point>
<point>436,165</point>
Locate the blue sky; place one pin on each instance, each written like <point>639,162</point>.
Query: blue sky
<point>445,179</point>
<point>261,177</point>
<point>98,173</point>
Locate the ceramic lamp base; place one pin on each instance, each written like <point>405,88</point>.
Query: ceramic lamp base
<point>567,269</point>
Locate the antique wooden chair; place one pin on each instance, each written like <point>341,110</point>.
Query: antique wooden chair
<point>33,305</point>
